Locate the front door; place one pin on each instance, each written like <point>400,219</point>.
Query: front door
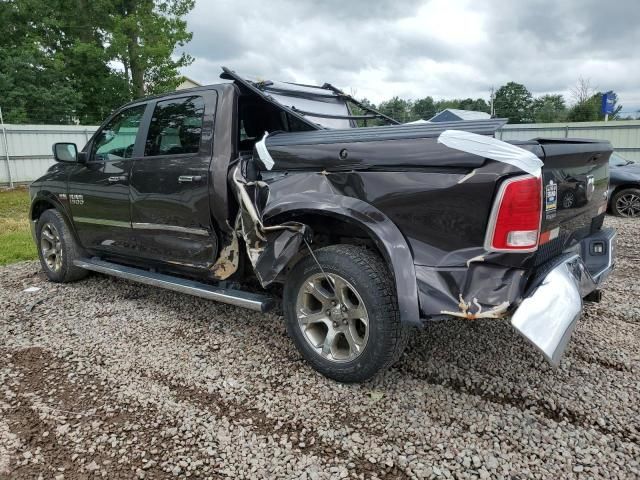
<point>98,191</point>
<point>170,184</point>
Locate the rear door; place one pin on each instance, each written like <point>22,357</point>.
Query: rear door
<point>98,191</point>
<point>170,212</point>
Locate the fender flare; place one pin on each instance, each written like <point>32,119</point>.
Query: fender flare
<point>51,199</point>
<point>386,235</point>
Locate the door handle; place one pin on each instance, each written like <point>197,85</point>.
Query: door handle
<point>117,178</point>
<point>189,178</point>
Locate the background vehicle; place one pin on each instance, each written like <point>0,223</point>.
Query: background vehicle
<point>370,230</point>
<point>624,186</point>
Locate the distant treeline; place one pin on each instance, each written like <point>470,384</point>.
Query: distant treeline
<point>512,101</point>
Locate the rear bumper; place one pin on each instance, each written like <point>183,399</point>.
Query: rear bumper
<point>550,310</point>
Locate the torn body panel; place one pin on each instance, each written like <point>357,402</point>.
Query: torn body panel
<point>388,239</point>
<point>426,246</point>
<point>474,292</point>
<point>269,248</point>
<point>422,194</point>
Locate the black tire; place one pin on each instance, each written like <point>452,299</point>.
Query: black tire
<point>368,275</point>
<point>568,200</point>
<point>617,207</point>
<point>62,271</point>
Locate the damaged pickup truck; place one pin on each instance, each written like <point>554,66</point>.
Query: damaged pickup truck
<point>246,190</point>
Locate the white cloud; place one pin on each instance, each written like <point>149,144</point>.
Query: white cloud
<point>442,48</point>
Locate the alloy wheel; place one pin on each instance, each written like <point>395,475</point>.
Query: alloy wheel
<point>628,205</point>
<point>569,200</point>
<point>51,247</point>
<point>332,317</point>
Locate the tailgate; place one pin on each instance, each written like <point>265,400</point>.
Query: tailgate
<point>575,182</point>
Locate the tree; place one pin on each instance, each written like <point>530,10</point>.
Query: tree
<point>424,108</point>
<point>397,108</point>
<point>587,106</point>
<point>57,57</point>
<point>33,84</point>
<point>587,103</point>
<point>549,108</point>
<point>590,110</point>
<point>145,34</point>
<point>478,105</point>
<point>356,110</point>
<point>514,102</point>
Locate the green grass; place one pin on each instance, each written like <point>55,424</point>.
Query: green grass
<point>15,237</point>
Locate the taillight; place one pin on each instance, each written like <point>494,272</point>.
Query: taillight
<point>515,219</point>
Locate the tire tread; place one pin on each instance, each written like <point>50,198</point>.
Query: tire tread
<point>71,250</point>
<point>394,333</point>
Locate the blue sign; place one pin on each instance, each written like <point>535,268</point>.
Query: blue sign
<point>608,102</point>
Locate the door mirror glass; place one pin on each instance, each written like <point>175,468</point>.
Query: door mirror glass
<point>65,152</point>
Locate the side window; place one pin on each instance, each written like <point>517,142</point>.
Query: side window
<point>117,138</point>
<point>176,127</point>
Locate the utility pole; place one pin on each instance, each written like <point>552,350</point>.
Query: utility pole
<point>492,109</point>
<point>6,149</point>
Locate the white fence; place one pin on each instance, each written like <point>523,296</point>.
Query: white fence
<point>623,135</point>
<point>25,150</point>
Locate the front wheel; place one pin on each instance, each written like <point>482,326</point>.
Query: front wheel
<point>626,203</point>
<point>57,248</point>
<point>344,317</point>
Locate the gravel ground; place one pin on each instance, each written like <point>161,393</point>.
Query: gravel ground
<point>106,378</point>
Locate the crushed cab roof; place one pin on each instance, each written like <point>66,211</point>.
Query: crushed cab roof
<point>319,106</point>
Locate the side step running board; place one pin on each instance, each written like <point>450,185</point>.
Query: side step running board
<point>239,298</point>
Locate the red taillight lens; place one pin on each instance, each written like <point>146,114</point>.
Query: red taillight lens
<point>515,222</point>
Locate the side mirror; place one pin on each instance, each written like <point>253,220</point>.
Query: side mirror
<point>65,152</point>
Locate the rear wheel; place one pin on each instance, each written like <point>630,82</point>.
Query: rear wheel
<point>57,249</point>
<point>344,317</point>
<point>626,203</point>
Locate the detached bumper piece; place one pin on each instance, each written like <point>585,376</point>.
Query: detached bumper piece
<point>549,313</point>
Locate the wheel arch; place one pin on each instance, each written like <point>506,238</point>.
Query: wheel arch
<point>362,219</point>
<point>623,186</point>
<point>46,201</point>
<point>618,188</point>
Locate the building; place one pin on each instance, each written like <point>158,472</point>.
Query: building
<point>453,115</point>
<point>188,83</point>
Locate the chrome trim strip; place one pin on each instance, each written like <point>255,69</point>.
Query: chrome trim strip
<point>170,228</point>
<point>253,301</point>
<point>102,221</point>
<point>143,226</point>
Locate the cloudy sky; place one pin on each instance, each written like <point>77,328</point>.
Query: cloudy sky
<point>443,48</point>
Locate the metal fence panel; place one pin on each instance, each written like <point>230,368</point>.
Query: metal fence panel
<point>623,135</point>
<point>30,145</point>
<point>30,148</point>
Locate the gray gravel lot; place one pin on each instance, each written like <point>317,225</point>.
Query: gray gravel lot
<point>105,378</point>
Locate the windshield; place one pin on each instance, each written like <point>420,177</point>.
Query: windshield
<point>617,160</point>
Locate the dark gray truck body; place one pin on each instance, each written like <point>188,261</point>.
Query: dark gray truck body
<point>424,207</point>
